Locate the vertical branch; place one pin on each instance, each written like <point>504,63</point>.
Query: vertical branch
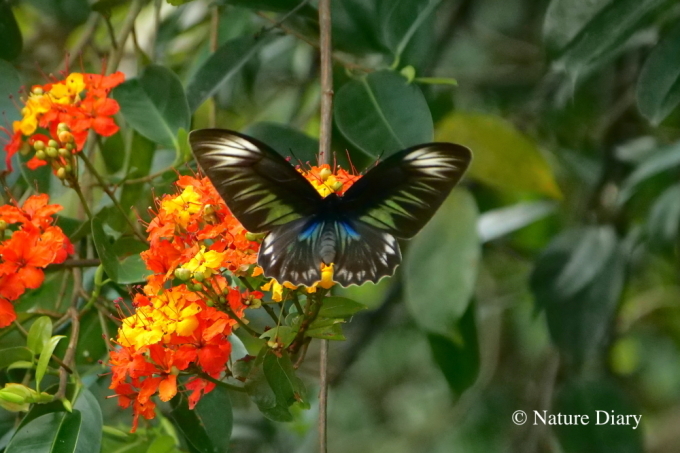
<point>125,31</point>
<point>324,158</point>
<point>214,41</point>
<point>326,81</point>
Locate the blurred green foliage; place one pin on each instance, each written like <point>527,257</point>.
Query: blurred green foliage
<point>548,282</point>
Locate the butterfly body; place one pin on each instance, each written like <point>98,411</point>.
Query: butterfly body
<point>356,232</point>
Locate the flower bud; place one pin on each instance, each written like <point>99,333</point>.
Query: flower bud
<point>210,303</point>
<point>255,237</point>
<point>61,173</point>
<point>40,154</point>
<point>222,299</point>
<point>39,145</point>
<point>37,90</point>
<point>336,186</point>
<point>51,151</point>
<point>69,146</point>
<point>68,168</point>
<point>62,127</point>
<point>197,287</point>
<point>325,173</point>
<point>199,276</point>
<point>3,225</point>
<point>208,209</point>
<point>63,152</point>
<point>53,144</point>
<point>273,344</point>
<point>182,274</point>
<point>65,137</point>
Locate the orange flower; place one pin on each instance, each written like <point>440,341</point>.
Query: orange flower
<point>57,117</point>
<point>23,256</point>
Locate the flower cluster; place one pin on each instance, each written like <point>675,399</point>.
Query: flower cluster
<point>31,247</point>
<point>187,308</point>
<point>57,117</point>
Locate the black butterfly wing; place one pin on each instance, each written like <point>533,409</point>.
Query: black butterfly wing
<point>294,252</point>
<point>402,193</point>
<point>364,254</point>
<point>258,185</point>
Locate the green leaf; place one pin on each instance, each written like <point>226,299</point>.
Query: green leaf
<point>142,152</point>
<point>440,265</point>
<point>21,364</point>
<point>104,249</point>
<point>55,432</point>
<point>354,27</point>
<point>502,156</point>
<point>665,159</point>
<point>226,61</point>
<point>207,428</point>
<point>264,397</point>
<point>280,375</point>
<point>437,81</point>
<point>132,270</point>
<point>578,281</point>
<point>10,35</point>
<point>284,334</point>
<point>565,18</point>
<point>382,113</point>
<point>10,84</point>
<point>286,141</point>
<point>38,410</point>
<point>44,358</point>
<point>90,432</point>
<point>597,398</point>
<point>658,88</point>
<point>163,444</point>
<point>91,345</point>
<point>340,307</point>
<point>328,332</point>
<point>458,359</point>
<point>278,6</point>
<point>497,223</point>
<point>663,222</point>
<point>39,334</point>
<point>10,355</point>
<point>155,105</point>
<point>400,19</point>
<point>605,33</point>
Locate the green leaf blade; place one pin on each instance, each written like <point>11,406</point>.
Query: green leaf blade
<point>226,61</point>
<point>383,113</point>
<point>658,88</point>
<point>39,334</point>
<point>445,254</point>
<point>155,105</point>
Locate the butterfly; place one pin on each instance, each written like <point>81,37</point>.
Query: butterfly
<point>357,231</point>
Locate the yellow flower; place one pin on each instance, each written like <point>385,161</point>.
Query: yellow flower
<point>65,92</point>
<point>276,289</point>
<point>183,206</point>
<point>168,313</point>
<point>326,276</point>
<point>206,263</point>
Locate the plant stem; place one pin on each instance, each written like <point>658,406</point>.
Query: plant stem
<point>226,385</point>
<point>125,30</point>
<point>325,133</point>
<point>83,201</point>
<point>111,195</point>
